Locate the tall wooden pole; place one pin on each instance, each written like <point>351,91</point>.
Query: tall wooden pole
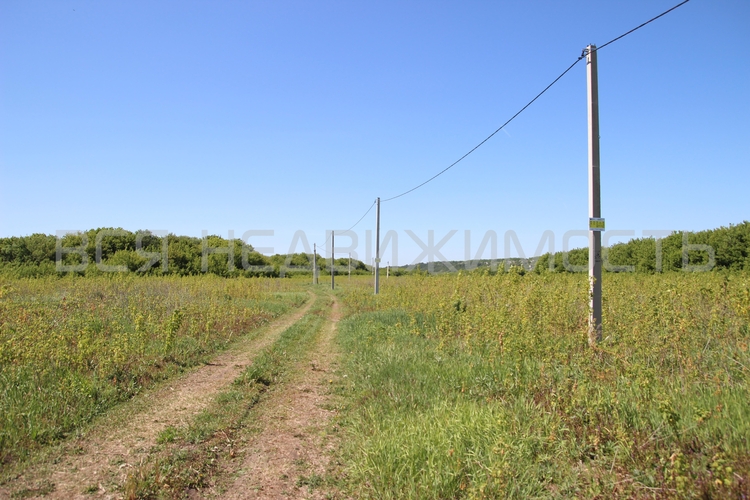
<point>333,271</point>
<point>596,224</point>
<point>377,247</point>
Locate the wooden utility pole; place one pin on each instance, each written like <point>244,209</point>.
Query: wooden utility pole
<point>377,247</point>
<point>333,272</point>
<point>315,264</point>
<point>596,223</point>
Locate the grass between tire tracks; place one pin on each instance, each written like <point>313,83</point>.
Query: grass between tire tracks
<point>187,458</point>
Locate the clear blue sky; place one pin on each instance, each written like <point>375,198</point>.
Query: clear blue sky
<point>292,116</point>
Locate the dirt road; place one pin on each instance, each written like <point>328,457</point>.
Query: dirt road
<point>291,453</point>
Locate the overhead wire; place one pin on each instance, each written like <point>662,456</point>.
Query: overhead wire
<point>501,127</point>
<point>642,25</point>
<point>486,138</point>
<point>352,227</point>
<point>360,219</point>
<point>532,101</point>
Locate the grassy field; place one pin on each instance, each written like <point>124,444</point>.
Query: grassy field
<point>452,386</point>
<point>72,348</point>
<point>478,386</point>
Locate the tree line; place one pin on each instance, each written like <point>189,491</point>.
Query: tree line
<point>714,249</point>
<point>103,250</point>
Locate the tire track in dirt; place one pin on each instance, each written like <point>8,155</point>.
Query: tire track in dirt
<point>103,458</point>
<point>290,455</point>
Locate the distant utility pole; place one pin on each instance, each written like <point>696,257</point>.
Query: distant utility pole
<point>315,264</point>
<point>333,247</point>
<point>596,222</point>
<point>377,247</point>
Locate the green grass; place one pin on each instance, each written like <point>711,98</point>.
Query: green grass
<point>433,413</point>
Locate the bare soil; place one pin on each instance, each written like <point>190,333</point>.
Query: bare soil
<point>96,464</point>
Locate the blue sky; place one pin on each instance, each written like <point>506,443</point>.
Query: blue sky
<point>190,116</point>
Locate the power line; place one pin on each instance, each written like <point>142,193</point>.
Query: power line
<point>642,25</point>
<point>488,137</point>
<point>353,226</point>
<point>531,102</point>
<point>512,117</point>
<point>360,219</point>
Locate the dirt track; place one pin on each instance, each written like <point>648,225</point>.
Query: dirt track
<point>290,455</point>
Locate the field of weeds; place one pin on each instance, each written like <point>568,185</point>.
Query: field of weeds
<point>484,386</point>
<point>72,348</point>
